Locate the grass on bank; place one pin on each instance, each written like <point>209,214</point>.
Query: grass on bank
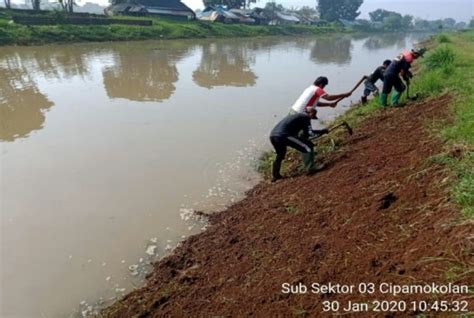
<point>162,28</point>
<point>448,67</point>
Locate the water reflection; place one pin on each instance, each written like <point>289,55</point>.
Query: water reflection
<point>226,64</point>
<point>65,63</point>
<point>144,73</point>
<point>22,105</point>
<point>71,61</point>
<point>377,42</point>
<point>332,50</point>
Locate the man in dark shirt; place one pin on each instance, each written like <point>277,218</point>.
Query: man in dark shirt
<point>399,66</point>
<point>287,134</point>
<point>369,84</point>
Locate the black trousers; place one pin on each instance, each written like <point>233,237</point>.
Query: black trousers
<point>392,81</point>
<point>280,143</point>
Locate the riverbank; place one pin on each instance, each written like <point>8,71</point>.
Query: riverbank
<point>17,34</point>
<point>394,206</point>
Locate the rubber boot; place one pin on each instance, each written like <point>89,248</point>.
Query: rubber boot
<point>276,165</point>
<point>310,165</point>
<point>383,99</point>
<point>396,98</point>
<point>363,99</point>
<point>308,159</point>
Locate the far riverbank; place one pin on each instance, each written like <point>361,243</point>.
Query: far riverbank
<point>161,29</point>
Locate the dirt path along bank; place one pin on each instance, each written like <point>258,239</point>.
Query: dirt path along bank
<point>380,213</point>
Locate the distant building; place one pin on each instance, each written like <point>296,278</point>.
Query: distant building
<point>260,16</point>
<point>244,15</point>
<point>218,14</point>
<point>309,20</point>
<point>166,8</point>
<point>284,18</point>
<point>90,7</point>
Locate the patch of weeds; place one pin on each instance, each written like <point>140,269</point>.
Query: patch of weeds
<point>443,38</point>
<point>441,159</point>
<point>257,255</point>
<point>291,166</point>
<point>456,273</point>
<point>291,208</point>
<point>300,312</point>
<point>264,164</point>
<point>440,57</point>
<point>463,193</point>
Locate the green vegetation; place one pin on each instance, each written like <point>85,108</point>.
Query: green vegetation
<point>333,10</point>
<point>449,68</point>
<point>443,38</point>
<point>16,34</point>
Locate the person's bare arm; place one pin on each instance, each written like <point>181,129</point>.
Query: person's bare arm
<point>335,97</point>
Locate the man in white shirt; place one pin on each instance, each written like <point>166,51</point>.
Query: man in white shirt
<point>312,94</point>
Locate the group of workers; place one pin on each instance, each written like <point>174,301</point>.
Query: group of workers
<point>295,129</point>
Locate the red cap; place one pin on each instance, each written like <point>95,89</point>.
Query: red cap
<point>408,56</point>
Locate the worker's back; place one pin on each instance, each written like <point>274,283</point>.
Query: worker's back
<point>291,125</point>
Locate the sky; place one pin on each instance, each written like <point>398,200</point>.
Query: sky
<point>461,10</point>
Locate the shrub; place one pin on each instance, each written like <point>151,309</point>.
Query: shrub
<point>443,38</point>
<point>441,57</point>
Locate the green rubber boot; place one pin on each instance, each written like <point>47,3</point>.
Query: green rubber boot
<point>396,98</point>
<point>310,165</point>
<point>308,159</point>
<point>383,99</point>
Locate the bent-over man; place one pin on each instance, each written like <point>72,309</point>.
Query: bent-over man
<point>287,134</point>
<point>369,83</point>
<point>400,66</point>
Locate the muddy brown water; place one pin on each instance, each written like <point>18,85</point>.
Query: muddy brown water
<point>107,148</point>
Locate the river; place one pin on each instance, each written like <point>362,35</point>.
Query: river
<point>106,149</point>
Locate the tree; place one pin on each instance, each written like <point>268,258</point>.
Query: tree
<point>436,25</point>
<point>68,5</point>
<point>36,4</point>
<point>307,12</point>
<point>421,24</point>
<point>407,21</point>
<point>272,7</point>
<point>380,14</point>
<point>471,23</point>
<point>449,22</point>
<point>393,23</point>
<point>461,25</point>
<point>333,10</point>
<point>363,25</point>
<point>7,4</point>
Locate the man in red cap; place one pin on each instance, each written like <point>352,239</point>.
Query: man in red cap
<point>399,66</point>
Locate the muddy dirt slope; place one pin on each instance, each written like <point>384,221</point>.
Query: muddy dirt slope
<point>380,213</point>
